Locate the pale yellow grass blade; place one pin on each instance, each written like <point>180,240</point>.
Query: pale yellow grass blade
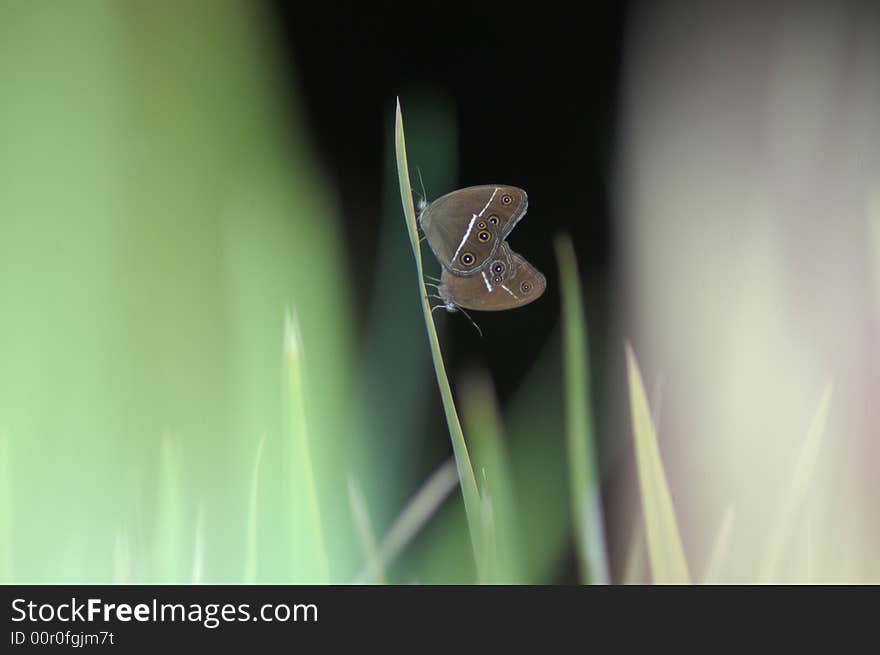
<point>665,551</point>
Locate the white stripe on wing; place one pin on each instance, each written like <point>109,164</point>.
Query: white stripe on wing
<point>490,201</point>
<point>509,291</point>
<point>465,238</point>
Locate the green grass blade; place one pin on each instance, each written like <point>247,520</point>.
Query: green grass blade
<point>501,560</point>
<point>250,550</point>
<point>71,566</point>
<point>414,516</point>
<point>364,526</point>
<point>665,551</point>
<point>308,533</point>
<point>169,527</point>
<point>469,489</point>
<point>720,550</point>
<point>586,500</point>
<point>488,562</point>
<point>794,494</point>
<point>6,531</point>
<point>198,567</point>
<point>121,559</point>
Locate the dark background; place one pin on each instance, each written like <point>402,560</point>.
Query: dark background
<point>535,96</point>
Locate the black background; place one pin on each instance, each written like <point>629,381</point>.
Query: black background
<point>550,130</point>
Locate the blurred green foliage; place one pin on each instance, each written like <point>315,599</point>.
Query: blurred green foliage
<point>161,214</point>
<point>160,211</point>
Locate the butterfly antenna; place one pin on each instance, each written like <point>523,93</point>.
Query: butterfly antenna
<point>423,201</point>
<point>422,182</point>
<point>479,331</point>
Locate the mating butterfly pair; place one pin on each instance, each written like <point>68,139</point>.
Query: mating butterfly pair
<point>466,230</point>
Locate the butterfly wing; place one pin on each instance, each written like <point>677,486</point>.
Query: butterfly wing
<point>507,281</point>
<point>465,227</point>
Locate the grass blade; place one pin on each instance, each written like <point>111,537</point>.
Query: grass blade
<point>121,559</point>
<point>250,551</point>
<point>469,489</point>
<point>811,556</point>
<point>795,493</point>
<point>501,561</point>
<point>6,531</point>
<point>418,510</point>
<point>198,567</point>
<point>308,531</point>
<point>634,568</point>
<point>720,550</point>
<point>873,211</point>
<point>361,516</point>
<point>666,554</point>
<point>586,501</point>
<point>169,514</point>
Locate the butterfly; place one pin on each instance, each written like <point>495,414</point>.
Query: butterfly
<point>466,230</point>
